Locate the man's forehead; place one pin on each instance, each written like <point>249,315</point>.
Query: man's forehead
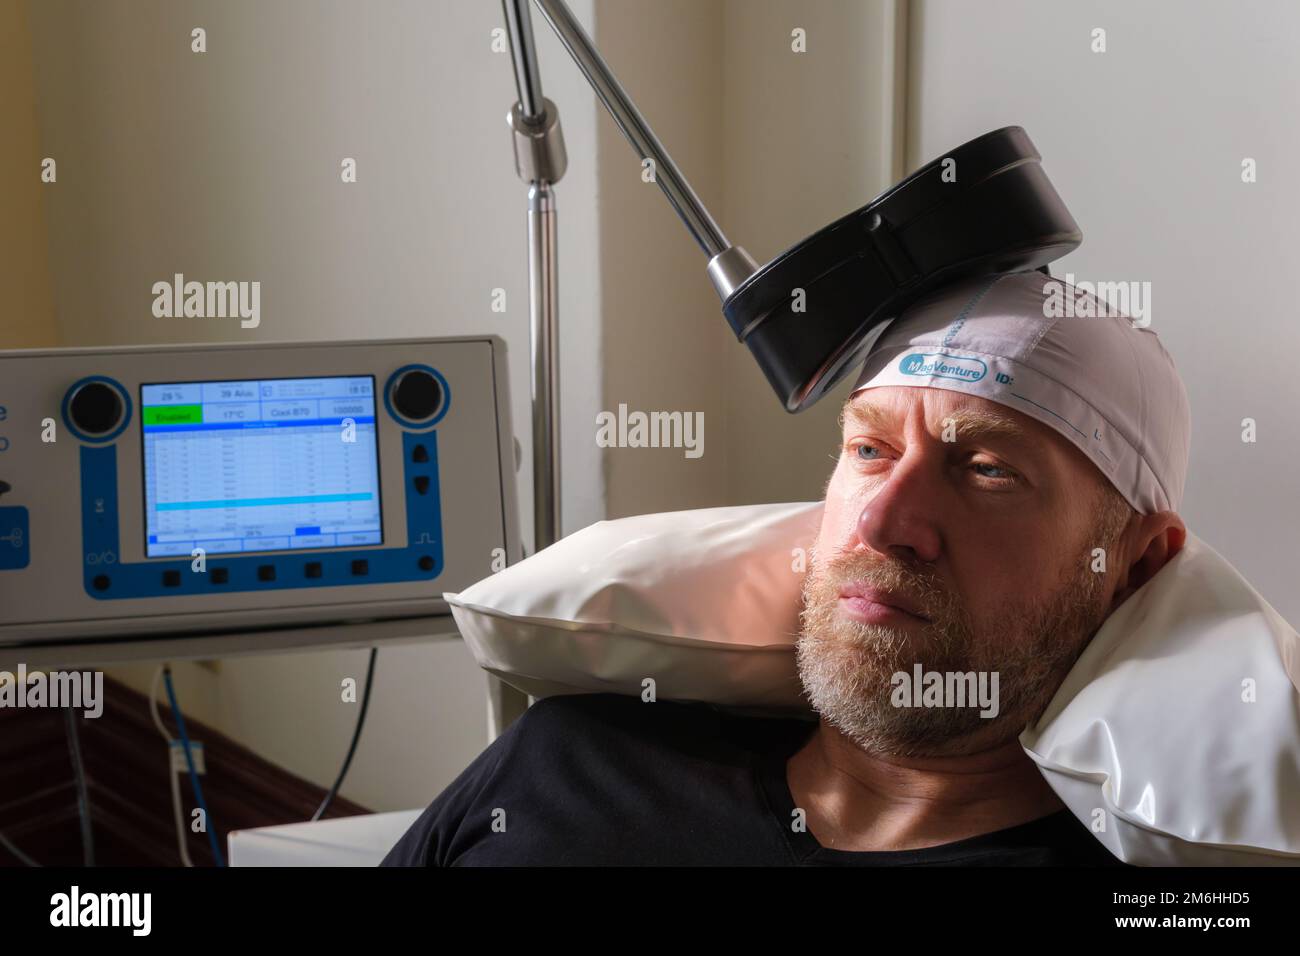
<point>975,419</point>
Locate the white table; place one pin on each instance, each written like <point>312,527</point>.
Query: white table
<point>346,841</point>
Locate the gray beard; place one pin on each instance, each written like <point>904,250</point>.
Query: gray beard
<point>846,666</point>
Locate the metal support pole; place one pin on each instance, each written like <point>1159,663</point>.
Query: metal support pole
<point>728,265</point>
<point>540,161</point>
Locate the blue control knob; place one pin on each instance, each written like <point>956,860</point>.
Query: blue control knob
<point>95,408</point>
<point>416,395</point>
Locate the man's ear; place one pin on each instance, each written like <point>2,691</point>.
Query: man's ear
<point>1156,538</point>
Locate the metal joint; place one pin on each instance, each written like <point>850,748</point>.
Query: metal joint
<point>729,268</point>
<point>539,146</point>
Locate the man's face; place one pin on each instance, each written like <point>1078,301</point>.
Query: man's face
<point>987,535</point>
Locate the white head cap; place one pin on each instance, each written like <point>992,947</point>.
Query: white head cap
<point>1021,339</point>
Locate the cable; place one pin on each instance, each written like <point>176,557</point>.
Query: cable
<point>211,825</point>
<point>181,842</point>
<point>83,796</point>
<point>356,736</point>
<point>22,857</point>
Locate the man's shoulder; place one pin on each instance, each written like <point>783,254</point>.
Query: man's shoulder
<point>570,718</point>
<point>605,779</point>
<point>689,725</point>
<point>562,709</point>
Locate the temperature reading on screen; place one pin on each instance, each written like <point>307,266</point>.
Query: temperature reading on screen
<point>264,465</point>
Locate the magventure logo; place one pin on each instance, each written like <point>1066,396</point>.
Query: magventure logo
<point>939,365</point>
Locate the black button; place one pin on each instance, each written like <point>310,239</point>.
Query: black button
<point>171,579</point>
<point>5,486</point>
<point>416,395</point>
<point>100,582</point>
<point>426,563</point>
<point>219,575</point>
<point>313,569</point>
<point>420,454</point>
<point>421,483</point>
<point>266,572</point>
<point>360,566</point>
<point>96,408</point>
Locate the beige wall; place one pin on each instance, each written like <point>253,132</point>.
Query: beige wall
<point>27,318</point>
<point>664,337</point>
<point>226,165</point>
<point>1145,143</point>
<point>808,138</point>
<point>777,144</point>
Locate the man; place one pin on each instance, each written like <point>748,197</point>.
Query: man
<point>1006,479</point>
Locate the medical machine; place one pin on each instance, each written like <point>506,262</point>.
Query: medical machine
<point>186,492</point>
<point>808,315</point>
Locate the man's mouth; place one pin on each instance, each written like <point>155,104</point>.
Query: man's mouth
<point>868,603</point>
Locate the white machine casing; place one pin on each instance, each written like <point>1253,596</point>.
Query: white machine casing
<point>469,512</point>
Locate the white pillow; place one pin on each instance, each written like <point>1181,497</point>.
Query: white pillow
<point>705,603</point>
<point>1148,734</point>
<point>1153,734</point>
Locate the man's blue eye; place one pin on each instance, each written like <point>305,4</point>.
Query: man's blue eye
<point>860,447</point>
<point>1007,477</point>
<point>1010,479</point>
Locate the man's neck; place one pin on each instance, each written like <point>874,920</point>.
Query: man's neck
<point>857,801</point>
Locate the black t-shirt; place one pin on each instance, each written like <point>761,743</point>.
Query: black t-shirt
<point>604,779</point>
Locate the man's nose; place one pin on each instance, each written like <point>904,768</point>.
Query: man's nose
<point>900,516</point>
